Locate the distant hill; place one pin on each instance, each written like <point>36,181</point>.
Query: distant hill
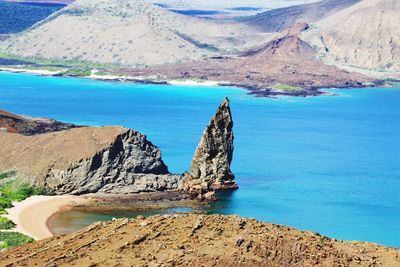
<point>280,19</point>
<point>365,36</point>
<point>17,17</point>
<point>131,32</point>
<point>286,60</point>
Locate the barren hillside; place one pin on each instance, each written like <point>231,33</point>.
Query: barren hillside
<point>365,36</point>
<point>131,32</point>
<point>280,19</point>
<point>286,60</point>
<point>196,240</point>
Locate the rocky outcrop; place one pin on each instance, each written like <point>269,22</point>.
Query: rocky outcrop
<point>113,160</point>
<point>210,167</point>
<point>196,240</point>
<point>25,125</point>
<point>88,160</point>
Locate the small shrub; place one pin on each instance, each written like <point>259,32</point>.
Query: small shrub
<point>6,224</point>
<point>13,239</point>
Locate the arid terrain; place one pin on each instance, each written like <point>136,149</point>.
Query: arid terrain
<point>133,33</point>
<point>286,65</point>
<point>365,36</point>
<point>280,19</point>
<point>196,240</point>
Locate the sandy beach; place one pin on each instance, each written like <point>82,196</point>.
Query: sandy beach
<point>193,83</point>
<point>41,72</point>
<point>31,215</point>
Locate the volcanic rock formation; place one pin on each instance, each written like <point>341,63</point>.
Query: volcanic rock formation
<point>210,168</point>
<point>29,126</point>
<point>285,60</point>
<point>112,159</point>
<point>196,240</point>
<point>88,160</point>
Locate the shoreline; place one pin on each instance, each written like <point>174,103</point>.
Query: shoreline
<point>32,214</point>
<point>254,90</point>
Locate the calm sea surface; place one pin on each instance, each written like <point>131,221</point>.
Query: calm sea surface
<point>327,164</point>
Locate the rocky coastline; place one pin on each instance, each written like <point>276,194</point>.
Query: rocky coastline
<point>114,160</point>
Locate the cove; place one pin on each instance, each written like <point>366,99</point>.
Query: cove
<point>326,164</point>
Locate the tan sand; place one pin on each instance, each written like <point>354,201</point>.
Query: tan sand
<point>31,215</point>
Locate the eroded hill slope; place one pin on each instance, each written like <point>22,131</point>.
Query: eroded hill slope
<point>197,240</point>
<point>364,36</point>
<point>129,32</point>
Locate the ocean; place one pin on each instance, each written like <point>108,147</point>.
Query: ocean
<point>329,164</point>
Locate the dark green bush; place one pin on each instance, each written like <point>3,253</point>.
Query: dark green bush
<point>12,239</point>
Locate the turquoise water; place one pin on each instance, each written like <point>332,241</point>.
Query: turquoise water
<point>327,164</point>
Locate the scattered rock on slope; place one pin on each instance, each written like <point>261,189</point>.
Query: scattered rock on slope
<point>210,167</point>
<point>197,240</point>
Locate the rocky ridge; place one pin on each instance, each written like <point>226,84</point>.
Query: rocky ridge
<point>88,160</point>
<point>197,240</point>
<point>277,20</point>
<point>116,160</point>
<point>25,125</point>
<point>364,37</point>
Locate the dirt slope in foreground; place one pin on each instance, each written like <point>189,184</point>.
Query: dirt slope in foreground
<point>196,240</point>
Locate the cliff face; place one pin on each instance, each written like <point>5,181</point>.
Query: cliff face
<point>112,160</point>
<point>197,240</point>
<point>88,160</point>
<point>210,167</point>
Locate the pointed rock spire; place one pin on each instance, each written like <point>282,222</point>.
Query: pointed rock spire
<point>210,167</point>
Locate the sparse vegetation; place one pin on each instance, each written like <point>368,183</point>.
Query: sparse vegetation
<point>52,62</point>
<point>81,72</point>
<point>285,87</point>
<point>6,224</point>
<point>7,174</point>
<point>12,239</point>
<point>10,191</point>
<point>14,190</point>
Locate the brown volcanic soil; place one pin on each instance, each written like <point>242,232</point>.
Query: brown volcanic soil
<point>196,240</point>
<point>28,126</point>
<point>285,60</point>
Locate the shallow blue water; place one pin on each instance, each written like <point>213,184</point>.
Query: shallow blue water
<point>327,164</point>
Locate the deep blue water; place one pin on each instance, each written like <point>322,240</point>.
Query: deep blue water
<point>327,164</point>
